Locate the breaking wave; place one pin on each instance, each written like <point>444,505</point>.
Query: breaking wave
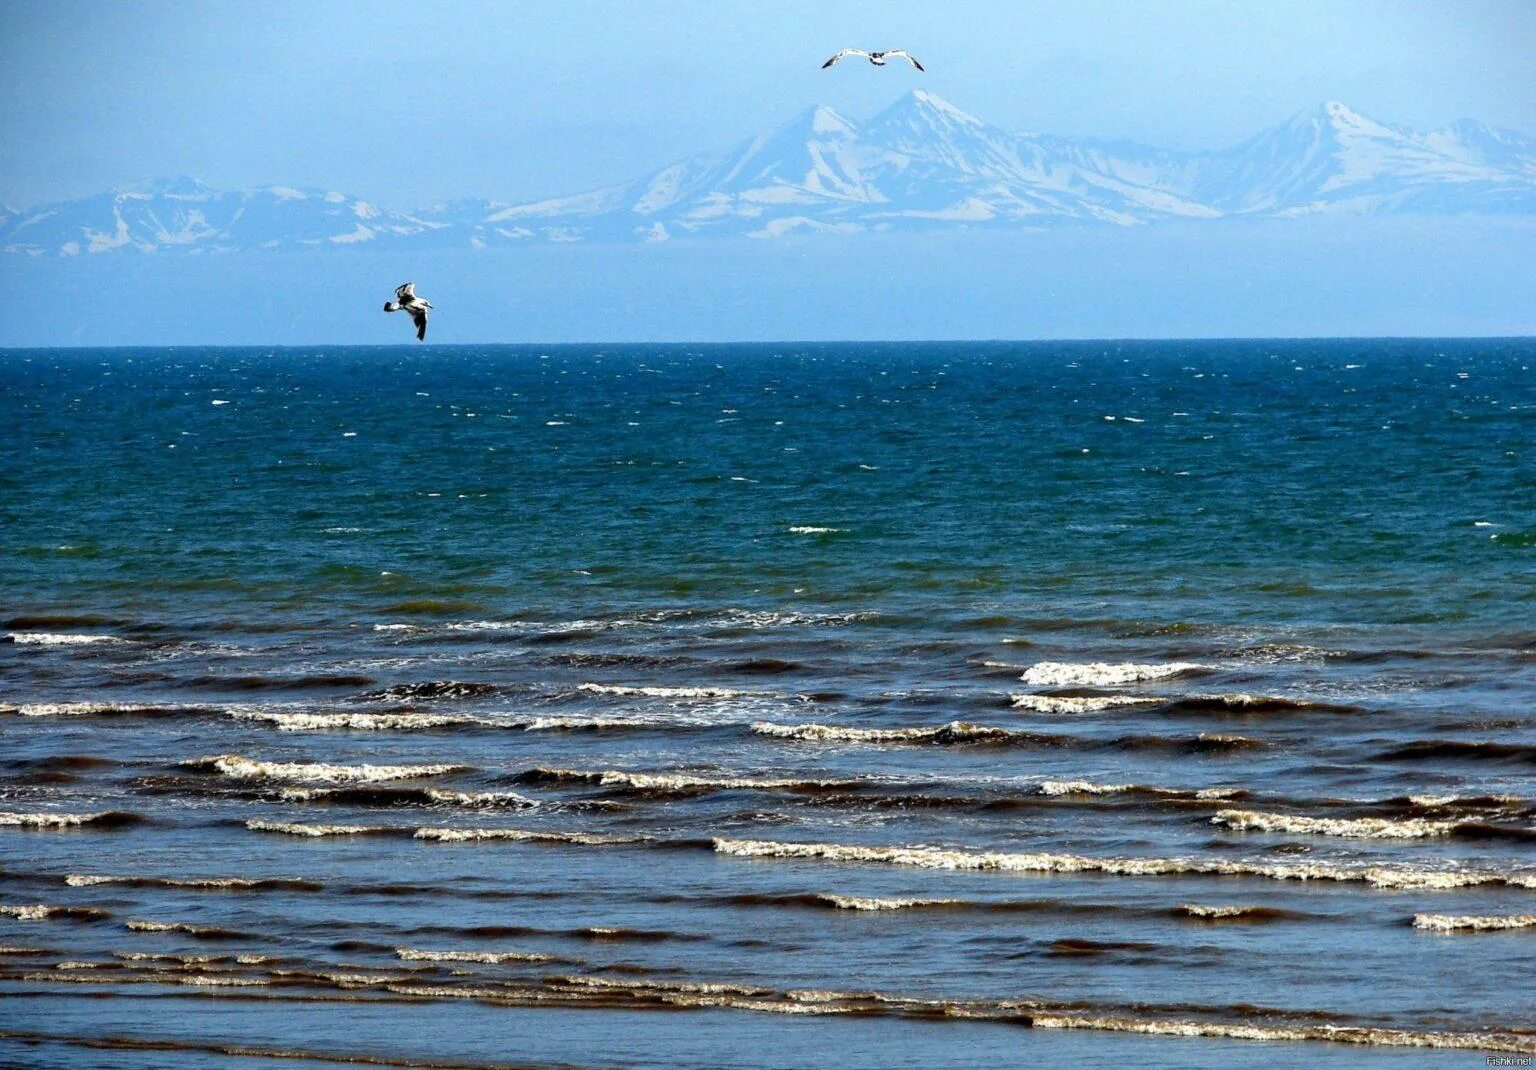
<point>1086,787</point>
<point>407,796</point>
<point>59,639</point>
<point>411,954</point>
<point>681,782</point>
<point>861,902</point>
<point>462,835</point>
<point>237,884</point>
<point>294,828</point>
<point>953,732</point>
<point>46,911</point>
<point>1447,923</point>
<point>1078,703</point>
<point>365,722</point>
<point>103,819</point>
<point>435,689</point>
<point>1226,912</point>
<point>663,692</point>
<point>1104,674</point>
<point>103,709</point>
<point>235,765</point>
<point>1337,1034</point>
<point>1370,828</point>
<point>940,858</point>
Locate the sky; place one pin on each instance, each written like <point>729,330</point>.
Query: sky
<point>410,104</point>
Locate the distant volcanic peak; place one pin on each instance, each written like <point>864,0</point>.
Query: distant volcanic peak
<point>920,164</point>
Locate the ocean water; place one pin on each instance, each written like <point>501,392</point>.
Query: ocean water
<point>929,705</point>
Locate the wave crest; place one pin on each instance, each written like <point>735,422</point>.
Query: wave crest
<point>1103,673</point>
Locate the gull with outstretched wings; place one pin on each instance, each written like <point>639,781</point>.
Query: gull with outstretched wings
<point>879,59</point>
<point>407,301</point>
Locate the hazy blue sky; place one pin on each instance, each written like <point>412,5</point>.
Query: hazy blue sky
<point>408,103</point>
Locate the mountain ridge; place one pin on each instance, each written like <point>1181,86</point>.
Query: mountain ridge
<point>920,164</point>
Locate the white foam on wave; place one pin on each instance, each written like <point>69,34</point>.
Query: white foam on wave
<point>1369,828</point>
<point>76,709</point>
<point>954,731</point>
<point>663,692</point>
<point>1483,801</point>
<point>90,880</point>
<point>1086,787</point>
<point>1447,923</point>
<point>679,716</point>
<point>810,529</point>
<point>235,765</point>
<point>942,858</point>
<point>1082,787</point>
<point>364,722</point>
<point>49,821</point>
<point>1103,673</point>
<point>1200,910</point>
<point>168,927</point>
<point>752,618</point>
<point>27,911</point>
<point>59,639</point>
<point>689,781</point>
<point>863,902</point>
<point>461,835</point>
<point>1337,1034</point>
<point>435,795</point>
<point>1077,704</point>
<point>412,954</point>
<point>294,828</point>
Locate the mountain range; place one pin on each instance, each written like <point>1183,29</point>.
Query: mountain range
<point>922,164</point>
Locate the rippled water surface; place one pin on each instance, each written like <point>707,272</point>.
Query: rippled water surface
<point>750,706</point>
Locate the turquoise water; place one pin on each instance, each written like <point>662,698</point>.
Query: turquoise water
<point>1102,632</point>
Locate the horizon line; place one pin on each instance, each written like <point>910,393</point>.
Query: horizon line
<point>1086,339</point>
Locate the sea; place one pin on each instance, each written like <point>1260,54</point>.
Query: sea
<point>950,704</point>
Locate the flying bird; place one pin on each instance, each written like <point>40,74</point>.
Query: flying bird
<point>407,301</point>
<point>877,58</point>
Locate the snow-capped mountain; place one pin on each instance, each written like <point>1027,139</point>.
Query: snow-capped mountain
<point>920,164</point>
<point>1334,159</point>
<point>182,213</point>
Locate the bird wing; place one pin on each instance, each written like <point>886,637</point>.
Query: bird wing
<point>406,292</point>
<point>904,54</point>
<point>845,52</point>
<point>419,317</point>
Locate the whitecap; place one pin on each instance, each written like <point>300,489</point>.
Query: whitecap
<point>235,765</point>
<point>50,820</point>
<point>294,828</point>
<point>862,902</point>
<point>1370,828</point>
<point>663,692</point>
<point>1103,674</point>
<point>1470,923</point>
<point>1076,703</point>
<point>59,639</point>
<point>1041,862</point>
<point>365,722</point>
<point>412,954</point>
<point>953,732</point>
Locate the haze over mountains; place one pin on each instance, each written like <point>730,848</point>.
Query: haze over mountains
<point>922,165</point>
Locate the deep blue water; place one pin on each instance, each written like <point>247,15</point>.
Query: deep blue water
<point>1109,635</point>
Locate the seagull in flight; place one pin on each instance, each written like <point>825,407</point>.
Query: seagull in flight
<point>407,301</point>
<point>877,58</point>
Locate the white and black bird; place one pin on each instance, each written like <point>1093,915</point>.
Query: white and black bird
<point>879,59</point>
<point>407,301</point>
